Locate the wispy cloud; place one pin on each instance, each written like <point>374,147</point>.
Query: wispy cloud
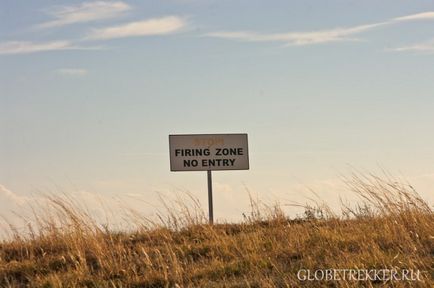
<point>85,12</point>
<point>299,38</point>
<point>416,17</point>
<point>24,47</point>
<point>420,48</point>
<point>156,26</point>
<point>15,198</point>
<point>424,48</point>
<point>73,72</point>
<point>27,47</point>
<point>318,36</point>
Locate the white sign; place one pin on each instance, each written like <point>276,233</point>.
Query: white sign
<point>202,152</point>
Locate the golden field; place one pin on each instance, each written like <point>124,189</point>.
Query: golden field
<point>392,228</point>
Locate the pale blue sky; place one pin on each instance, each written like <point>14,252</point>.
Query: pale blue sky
<point>89,92</point>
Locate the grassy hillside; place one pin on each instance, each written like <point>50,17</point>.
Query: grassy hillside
<point>393,228</point>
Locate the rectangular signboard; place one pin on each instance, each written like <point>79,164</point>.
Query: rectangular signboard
<point>202,152</point>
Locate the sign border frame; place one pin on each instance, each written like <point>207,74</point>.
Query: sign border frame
<point>209,134</point>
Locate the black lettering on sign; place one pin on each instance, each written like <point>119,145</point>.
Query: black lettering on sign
<point>192,152</point>
<point>218,162</point>
<point>190,163</point>
<point>228,151</point>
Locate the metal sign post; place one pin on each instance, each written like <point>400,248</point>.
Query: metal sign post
<point>210,205</point>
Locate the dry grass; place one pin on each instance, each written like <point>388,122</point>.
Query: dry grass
<point>392,228</point>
